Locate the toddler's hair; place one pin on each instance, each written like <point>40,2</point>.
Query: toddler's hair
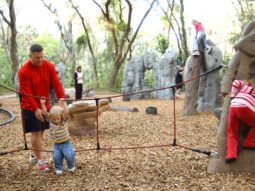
<point>56,110</point>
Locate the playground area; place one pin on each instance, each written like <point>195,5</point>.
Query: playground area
<point>160,168</point>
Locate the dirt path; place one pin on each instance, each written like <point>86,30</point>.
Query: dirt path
<point>168,168</point>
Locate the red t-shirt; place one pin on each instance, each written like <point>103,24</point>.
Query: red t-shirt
<point>36,81</point>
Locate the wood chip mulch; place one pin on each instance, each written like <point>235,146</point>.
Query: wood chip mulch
<point>167,168</point>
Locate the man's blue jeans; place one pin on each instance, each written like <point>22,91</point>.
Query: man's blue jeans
<point>63,151</point>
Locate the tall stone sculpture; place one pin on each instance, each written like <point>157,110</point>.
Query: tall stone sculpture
<point>209,86</point>
<point>202,94</point>
<point>133,76</point>
<point>60,68</point>
<point>242,62</point>
<point>164,74</point>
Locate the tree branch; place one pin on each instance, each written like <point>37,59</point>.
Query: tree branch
<point>4,18</point>
<point>137,30</point>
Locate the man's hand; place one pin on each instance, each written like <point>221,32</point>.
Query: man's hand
<point>39,115</point>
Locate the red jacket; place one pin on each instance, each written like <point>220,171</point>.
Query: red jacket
<point>36,81</point>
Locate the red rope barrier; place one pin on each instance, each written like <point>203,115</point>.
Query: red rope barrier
<point>97,123</point>
<point>120,95</point>
<point>97,120</point>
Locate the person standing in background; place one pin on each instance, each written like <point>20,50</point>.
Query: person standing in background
<point>78,80</point>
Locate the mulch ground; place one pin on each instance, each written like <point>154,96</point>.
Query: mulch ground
<point>167,168</point>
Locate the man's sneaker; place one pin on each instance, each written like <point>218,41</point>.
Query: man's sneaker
<point>59,172</point>
<point>42,166</point>
<point>32,159</point>
<point>71,169</point>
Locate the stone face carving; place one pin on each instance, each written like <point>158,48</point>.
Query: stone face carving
<point>163,72</point>
<point>242,62</point>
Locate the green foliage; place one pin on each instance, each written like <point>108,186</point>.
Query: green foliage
<point>149,78</point>
<point>6,76</point>
<point>25,38</point>
<point>52,47</point>
<point>81,42</point>
<point>162,43</point>
<point>234,37</point>
<point>245,13</point>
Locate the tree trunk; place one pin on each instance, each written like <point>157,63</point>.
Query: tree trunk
<point>114,75</point>
<point>94,60</point>
<point>185,52</point>
<point>70,47</point>
<point>13,42</point>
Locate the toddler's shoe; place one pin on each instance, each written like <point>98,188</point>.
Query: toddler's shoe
<point>59,172</point>
<point>42,166</point>
<point>71,169</point>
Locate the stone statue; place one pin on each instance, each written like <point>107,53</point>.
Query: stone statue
<point>60,68</point>
<point>242,62</point>
<point>202,94</point>
<point>209,86</point>
<point>164,74</point>
<point>133,76</point>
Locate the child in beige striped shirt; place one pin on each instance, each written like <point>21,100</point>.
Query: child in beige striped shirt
<point>62,148</point>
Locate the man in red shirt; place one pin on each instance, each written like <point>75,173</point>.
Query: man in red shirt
<point>35,78</point>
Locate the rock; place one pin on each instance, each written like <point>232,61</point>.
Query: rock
<point>82,116</point>
<point>151,110</point>
<point>217,112</point>
<point>164,74</point>
<point>91,93</point>
<point>134,73</point>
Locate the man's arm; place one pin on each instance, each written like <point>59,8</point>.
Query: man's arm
<point>25,88</point>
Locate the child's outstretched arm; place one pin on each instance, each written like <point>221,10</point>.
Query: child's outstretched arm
<point>64,106</point>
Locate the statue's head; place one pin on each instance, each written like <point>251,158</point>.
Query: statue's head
<point>148,60</point>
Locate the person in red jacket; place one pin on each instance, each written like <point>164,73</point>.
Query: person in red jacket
<point>200,35</point>
<point>242,109</point>
<point>36,76</point>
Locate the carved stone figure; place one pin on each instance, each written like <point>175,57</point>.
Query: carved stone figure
<point>209,86</point>
<point>164,74</point>
<point>202,94</point>
<point>133,79</point>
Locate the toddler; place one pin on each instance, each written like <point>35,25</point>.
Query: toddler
<point>62,148</point>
